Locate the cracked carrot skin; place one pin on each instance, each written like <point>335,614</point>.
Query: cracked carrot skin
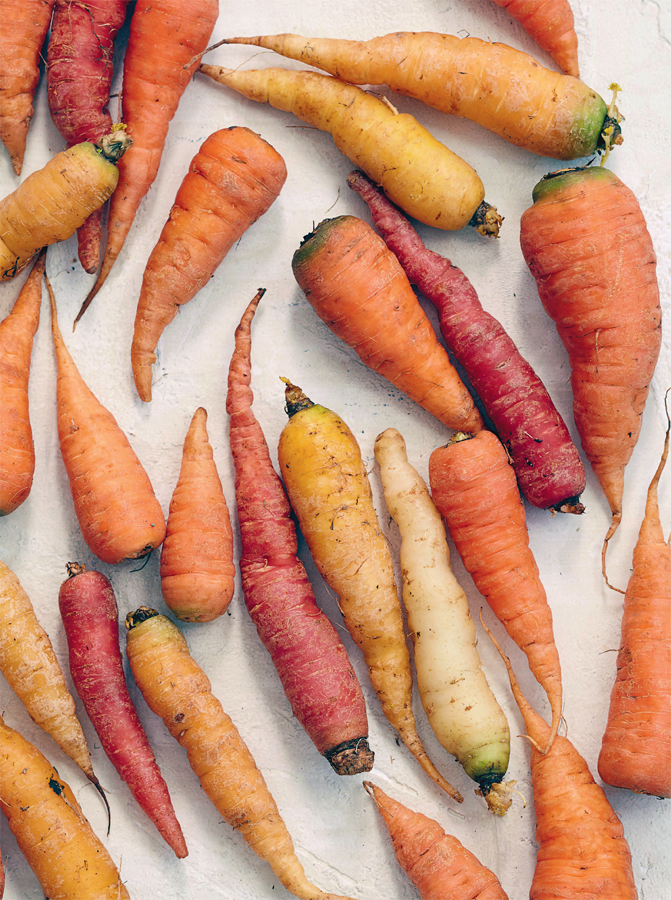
<point>500,88</point>
<point>551,24</point>
<point>69,860</point>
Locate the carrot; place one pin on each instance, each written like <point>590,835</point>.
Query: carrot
<point>165,39</point>
<point>28,662</point>
<point>420,174</point>
<point>117,510</point>
<point>197,570</point>
<point>547,464</point>
<point>20,46</point>
<point>53,202</point>
<point>587,245</point>
<point>177,690</point>
<point>475,490</point>
<point>582,849</point>
<point>17,453</point>
<point>311,661</point>
<point>79,70</point>
<point>550,23</point>
<point>358,288</point>
<point>91,618</point>
<point>502,89</point>
<point>437,863</point>
<point>636,745</point>
<point>328,488</point>
<point>53,834</point>
<point>232,181</point>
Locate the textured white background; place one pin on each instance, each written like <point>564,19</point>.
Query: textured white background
<point>336,829</point>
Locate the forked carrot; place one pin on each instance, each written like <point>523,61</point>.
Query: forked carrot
<point>551,24</point>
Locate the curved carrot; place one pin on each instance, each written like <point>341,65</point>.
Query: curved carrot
<point>474,488</point>
<point>587,245</point>
<point>358,288</point>
<point>117,510</point>
<point>233,180</point>
<point>636,745</point>
<point>550,23</point>
<point>197,571</point>
<point>17,453</point>
<point>165,36</point>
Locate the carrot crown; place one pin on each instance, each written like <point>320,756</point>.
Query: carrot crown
<point>140,615</point>
<point>114,144</point>
<point>296,400</point>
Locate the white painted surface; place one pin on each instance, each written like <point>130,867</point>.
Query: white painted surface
<point>337,832</point>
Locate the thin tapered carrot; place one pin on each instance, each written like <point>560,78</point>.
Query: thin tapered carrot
<point>197,570</point>
<point>17,453</point>
<point>117,510</point>
<point>165,37</point>
<point>24,27</point>
<point>474,488</point>
<point>551,24</point>
<point>636,745</point>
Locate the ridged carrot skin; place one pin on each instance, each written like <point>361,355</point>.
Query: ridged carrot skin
<point>25,26</point>
<point>117,510</point>
<point>69,860</point>
<point>474,488</point>
<point>586,243</point>
<point>311,661</point>
<point>357,287</point>
<point>490,83</point>
<point>17,453</point>
<point>197,569</point>
<point>437,863</point>
<point>636,745</point>
<point>90,617</point>
<point>329,491</point>
<point>550,23</point>
<point>549,470</point>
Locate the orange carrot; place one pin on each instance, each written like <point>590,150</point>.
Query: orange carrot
<point>587,245</point>
<point>636,746</point>
<point>24,27</point>
<point>550,23</point>
<point>165,37</point>
<point>197,571</point>
<point>17,453</point>
<point>475,489</point>
<point>358,288</point>
<point>437,863</point>
<point>118,513</point>
<point>232,181</point>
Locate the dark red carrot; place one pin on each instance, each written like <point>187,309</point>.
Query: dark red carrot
<point>310,659</point>
<point>91,619</point>
<point>547,463</point>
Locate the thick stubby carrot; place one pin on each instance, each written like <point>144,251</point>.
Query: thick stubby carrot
<point>232,181</point>
<point>177,690</point>
<point>582,850</point>
<point>90,616</point>
<point>550,23</point>
<point>437,863</point>
<point>79,68</point>
<point>197,570</point>
<point>165,38</point>
<point>329,491</point>
<point>117,510</point>
<point>475,490</point>
<point>357,287</point>
<point>311,661</point>
<point>17,453</point>
<point>636,745</point>
<point>24,28</point>
<point>420,174</point>
<point>501,89</point>
<point>53,834</point>
<point>586,243</point>
<point>549,470</point>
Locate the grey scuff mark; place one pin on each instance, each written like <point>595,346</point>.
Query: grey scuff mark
<point>663,19</point>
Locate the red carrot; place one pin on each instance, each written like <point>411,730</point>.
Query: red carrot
<point>312,663</point>
<point>91,619</point>
<point>550,23</point>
